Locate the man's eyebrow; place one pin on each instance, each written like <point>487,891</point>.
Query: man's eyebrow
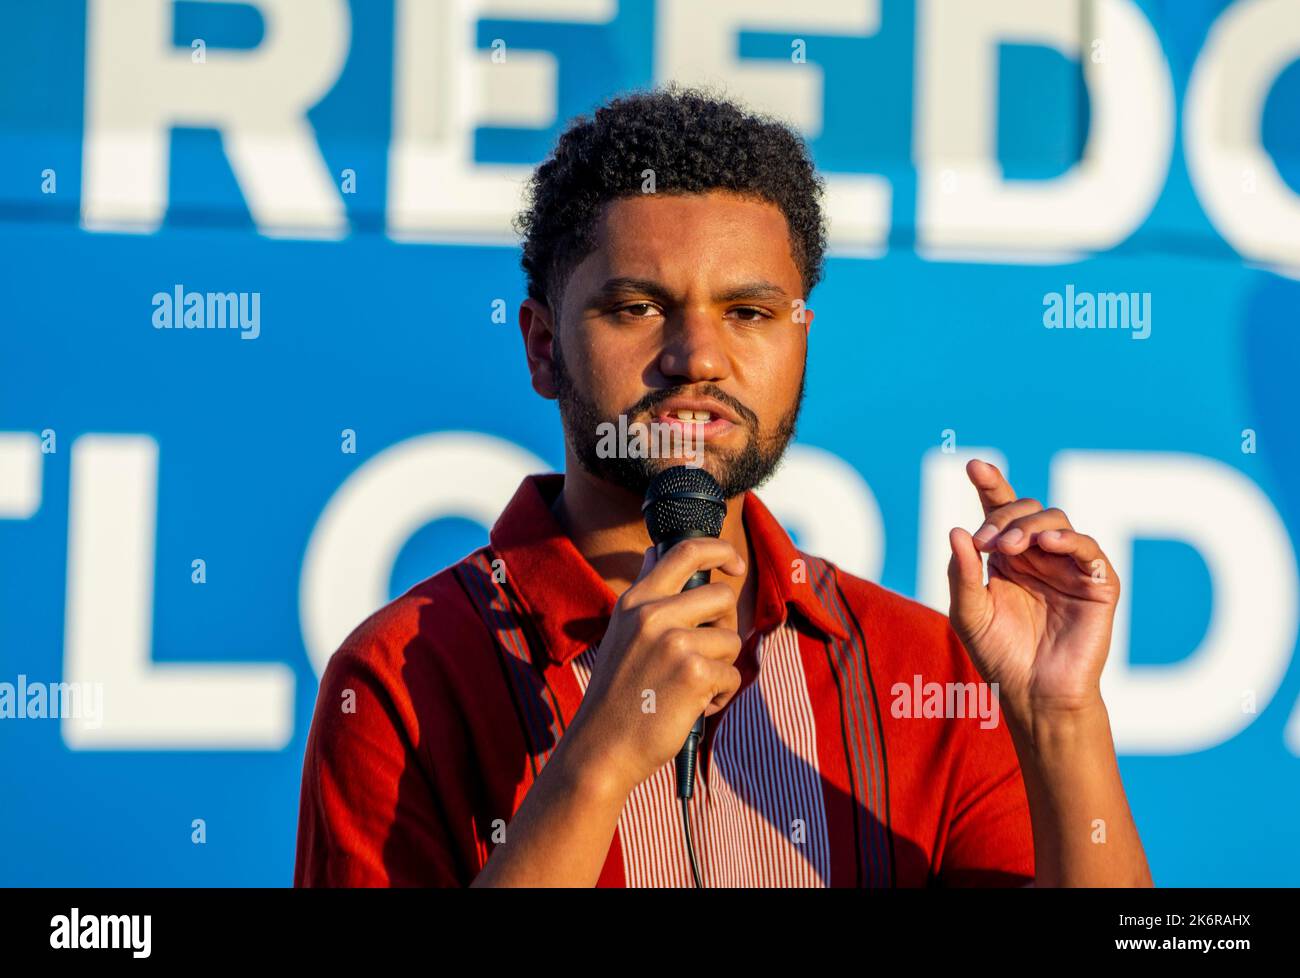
<point>622,286</point>
<point>753,290</point>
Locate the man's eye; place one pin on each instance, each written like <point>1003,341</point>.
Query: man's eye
<point>749,314</point>
<point>639,310</point>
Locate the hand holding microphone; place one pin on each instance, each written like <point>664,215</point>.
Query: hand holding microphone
<point>685,503</point>
<point>654,643</point>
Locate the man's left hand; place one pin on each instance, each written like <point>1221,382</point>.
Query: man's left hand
<point>1041,627</point>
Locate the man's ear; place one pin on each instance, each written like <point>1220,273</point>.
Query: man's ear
<point>538,330</point>
<point>807,320</point>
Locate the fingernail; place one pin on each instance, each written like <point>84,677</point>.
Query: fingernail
<point>986,533</point>
<point>1051,536</point>
<point>1013,535</point>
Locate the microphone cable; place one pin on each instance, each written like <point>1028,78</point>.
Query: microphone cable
<point>690,848</point>
<point>685,763</point>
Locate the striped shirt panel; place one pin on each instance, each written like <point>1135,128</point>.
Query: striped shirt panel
<point>757,815</point>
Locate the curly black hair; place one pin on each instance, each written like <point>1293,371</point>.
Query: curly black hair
<point>695,141</point>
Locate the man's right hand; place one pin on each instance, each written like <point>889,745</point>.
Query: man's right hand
<point>656,671</point>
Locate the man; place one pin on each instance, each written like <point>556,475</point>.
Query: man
<point>512,720</point>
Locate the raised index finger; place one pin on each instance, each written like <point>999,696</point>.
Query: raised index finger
<point>992,486</point>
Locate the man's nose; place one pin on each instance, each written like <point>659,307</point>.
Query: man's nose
<point>695,348</point>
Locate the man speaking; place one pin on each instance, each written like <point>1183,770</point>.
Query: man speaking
<point>514,720</point>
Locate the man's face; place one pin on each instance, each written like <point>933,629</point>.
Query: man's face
<point>687,304</point>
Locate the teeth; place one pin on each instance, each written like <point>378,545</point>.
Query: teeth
<point>694,416</point>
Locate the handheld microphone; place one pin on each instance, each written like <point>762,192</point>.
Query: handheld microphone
<point>683,502</point>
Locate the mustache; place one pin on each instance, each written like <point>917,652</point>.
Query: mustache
<point>654,398</point>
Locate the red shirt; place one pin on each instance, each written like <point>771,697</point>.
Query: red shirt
<point>436,714</point>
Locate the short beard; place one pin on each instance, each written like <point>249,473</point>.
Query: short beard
<point>737,470</point>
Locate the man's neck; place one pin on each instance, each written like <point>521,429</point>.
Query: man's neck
<point>605,523</point>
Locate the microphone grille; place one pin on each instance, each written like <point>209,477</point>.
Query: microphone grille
<point>684,498</point>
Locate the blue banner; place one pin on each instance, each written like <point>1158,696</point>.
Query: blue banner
<point>261,371</point>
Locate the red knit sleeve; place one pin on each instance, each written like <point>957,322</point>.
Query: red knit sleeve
<point>367,814</point>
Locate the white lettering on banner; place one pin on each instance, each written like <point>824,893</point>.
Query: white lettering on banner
<point>349,560</point>
<point>1117,497</point>
<point>20,475</point>
<point>444,86</point>
<point>965,209</point>
<point>112,514</point>
<point>1244,195</point>
<point>696,44</point>
<point>139,85</point>
<point>1191,705</point>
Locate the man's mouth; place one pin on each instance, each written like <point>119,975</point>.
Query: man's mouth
<point>695,423</point>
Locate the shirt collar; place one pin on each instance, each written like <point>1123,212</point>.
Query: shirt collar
<point>570,604</point>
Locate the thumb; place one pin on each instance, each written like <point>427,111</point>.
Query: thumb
<point>969,597</point>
